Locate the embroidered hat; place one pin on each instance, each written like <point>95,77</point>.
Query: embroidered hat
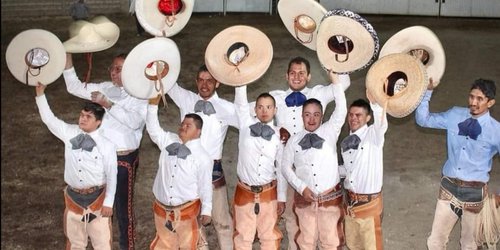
<point>346,42</point>
<point>302,19</point>
<point>151,68</point>
<point>398,79</point>
<point>163,17</point>
<point>97,35</point>
<point>419,37</point>
<point>239,55</point>
<point>34,56</point>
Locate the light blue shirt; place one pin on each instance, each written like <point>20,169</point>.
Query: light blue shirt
<point>468,159</point>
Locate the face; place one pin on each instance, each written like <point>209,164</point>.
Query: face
<point>265,109</point>
<point>87,121</point>
<point>206,85</point>
<point>357,118</point>
<point>479,103</point>
<point>115,71</point>
<point>298,77</point>
<point>188,130</point>
<point>312,117</point>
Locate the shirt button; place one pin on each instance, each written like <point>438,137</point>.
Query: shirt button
<point>293,118</point>
<point>170,197</point>
<point>459,168</point>
<point>314,174</point>
<point>351,161</point>
<point>350,181</point>
<point>170,186</point>
<point>463,148</point>
<point>294,126</point>
<point>316,185</point>
<point>81,180</point>
<point>172,176</point>
<point>80,170</point>
<point>79,159</point>
<point>361,147</point>
<point>175,166</point>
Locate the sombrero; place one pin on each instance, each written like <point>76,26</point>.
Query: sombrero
<point>151,68</point>
<point>97,35</point>
<point>239,55</point>
<point>346,42</point>
<point>398,79</point>
<point>34,56</point>
<point>302,18</point>
<point>163,17</point>
<point>419,37</point>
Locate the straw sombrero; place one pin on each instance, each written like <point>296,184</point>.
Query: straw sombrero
<point>398,79</point>
<point>34,56</point>
<point>97,35</point>
<point>163,17</point>
<point>419,37</point>
<point>151,68</point>
<point>302,18</point>
<point>346,42</point>
<point>239,55</point>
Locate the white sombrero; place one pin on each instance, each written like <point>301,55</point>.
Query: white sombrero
<point>151,68</point>
<point>302,19</point>
<point>97,35</point>
<point>239,55</point>
<point>34,56</point>
<point>346,42</point>
<point>419,37</point>
<point>398,79</point>
<point>163,17</point>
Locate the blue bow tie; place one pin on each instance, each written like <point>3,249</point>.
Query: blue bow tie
<point>83,141</point>
<point>470,127</point>
<point>204,106</point>
<point>181,150</point>
<point>262,130</point>
<point>295,99</point>
<point>311,140</point>
<point>350,142</point>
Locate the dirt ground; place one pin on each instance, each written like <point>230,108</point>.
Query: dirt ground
<point>32,158</point>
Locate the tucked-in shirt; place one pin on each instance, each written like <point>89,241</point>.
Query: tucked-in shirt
<point>365,165</point>
<point>180,180</point>
<point>83,169</point>
<point>315,168</point>
<point>258,159</point>
<point>468,159</point>
<point>124,122</point>
<point>215,125</point>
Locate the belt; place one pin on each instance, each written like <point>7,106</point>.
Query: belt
<point>86,190</point>
<point>362,197</point>
<point>124,152</point>
<point>258,188</point>
<point>183,205</point>
<point>461,183</point>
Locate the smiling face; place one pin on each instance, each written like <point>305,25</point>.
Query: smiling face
<point>265,109</point>
<point>206,85</point>
<point>312,115</point>
<point>357,118</point>
<point>479,103</point>
<point>298,76</point>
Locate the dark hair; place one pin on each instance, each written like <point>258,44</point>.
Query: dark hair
<point>299,60</point>
<point>198,122</point>
<point>312,101</point>
<point>362,103</point>
<point>488,87</point>
<point>120,55</point>
<point>95,109</point>
<point>203,68</point>
<point>266,95</point>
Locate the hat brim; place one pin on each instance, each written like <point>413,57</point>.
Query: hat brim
<point>133,76</point>
<point>290,9</point>
<point>419,37</point>
<point>153,21</point>
<point>86,37</point>
<point>30,39</point>
<point>249,70</point>
<point>406,100</point>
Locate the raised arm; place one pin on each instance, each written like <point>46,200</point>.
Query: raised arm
<point>160,137</point>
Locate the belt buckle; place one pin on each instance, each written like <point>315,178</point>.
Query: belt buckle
<point>256,189</point>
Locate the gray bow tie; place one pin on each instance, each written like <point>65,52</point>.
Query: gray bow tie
<point>204,106</point>
<point>83,141</point>
<point>350,142</point>
<point>181,150</point>
<point>262,130</point>
<point>311,140</point>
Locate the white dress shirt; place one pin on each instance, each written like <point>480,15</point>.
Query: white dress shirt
<point>364,166</point>
<point>83,169</point>
<point>180,180</point>
<point>124,122</point>
<point>316,169</point>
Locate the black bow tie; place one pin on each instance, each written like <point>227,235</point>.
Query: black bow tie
<point>83,141</point>
<point>350,142</point>
<point>470,127</point>
<point>311,140</point>
<point>88,217</point>
<point>262,130</point>
<point>204,106</point>
<point>181,150</point>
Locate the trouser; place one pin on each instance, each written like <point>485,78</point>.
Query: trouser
<point>256,212</point>
<point>291,224</point>
<point>124,210</point>
<point>82,222</point>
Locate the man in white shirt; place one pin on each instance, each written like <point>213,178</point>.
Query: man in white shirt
<point>310,165</point>
<point>217,114</point>
<point>260,194</point>
<point>90,172</point>
<point>362,152</point>
<point>182,182</point>
<point>122,124</point>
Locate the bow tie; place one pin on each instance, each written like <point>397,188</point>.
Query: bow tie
<point>295,99</point>
<point>204,106</point>
<point>311,140</point>
<point>350,142</point>
<point>470,127</point>
<point>262,130</point>
<point>181,150</point>
<point>88,217</point>
<point>83,141</point>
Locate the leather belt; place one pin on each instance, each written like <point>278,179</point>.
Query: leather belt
<point>258,188</point>
<point>124,152</point>
<point>181,206</point>
<point>86,190</point>
<point>362,197</point>
<point>461,183</point>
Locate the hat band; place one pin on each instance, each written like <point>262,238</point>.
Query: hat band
<point>395,83</point>
<point>155,71</point>
<point>335,45</point>
<point>299,25</point>
<point>236,54</point>
<point>35,58</point>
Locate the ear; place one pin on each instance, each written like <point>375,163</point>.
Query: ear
<point>309,77</point>
<point>491,103</point>
<point>217,83</point>
<point>368,118</point>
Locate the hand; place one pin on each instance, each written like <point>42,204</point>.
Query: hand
<point>205,220</point>
<point>281,208</point>
<point>69,61</point>
<point>106,211</point>
<point>308,195</point>
<point>284,135</point>
<point>100,99</point>
<point>155,100</point>
<point>40,89</point>
<point>334,77</point>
